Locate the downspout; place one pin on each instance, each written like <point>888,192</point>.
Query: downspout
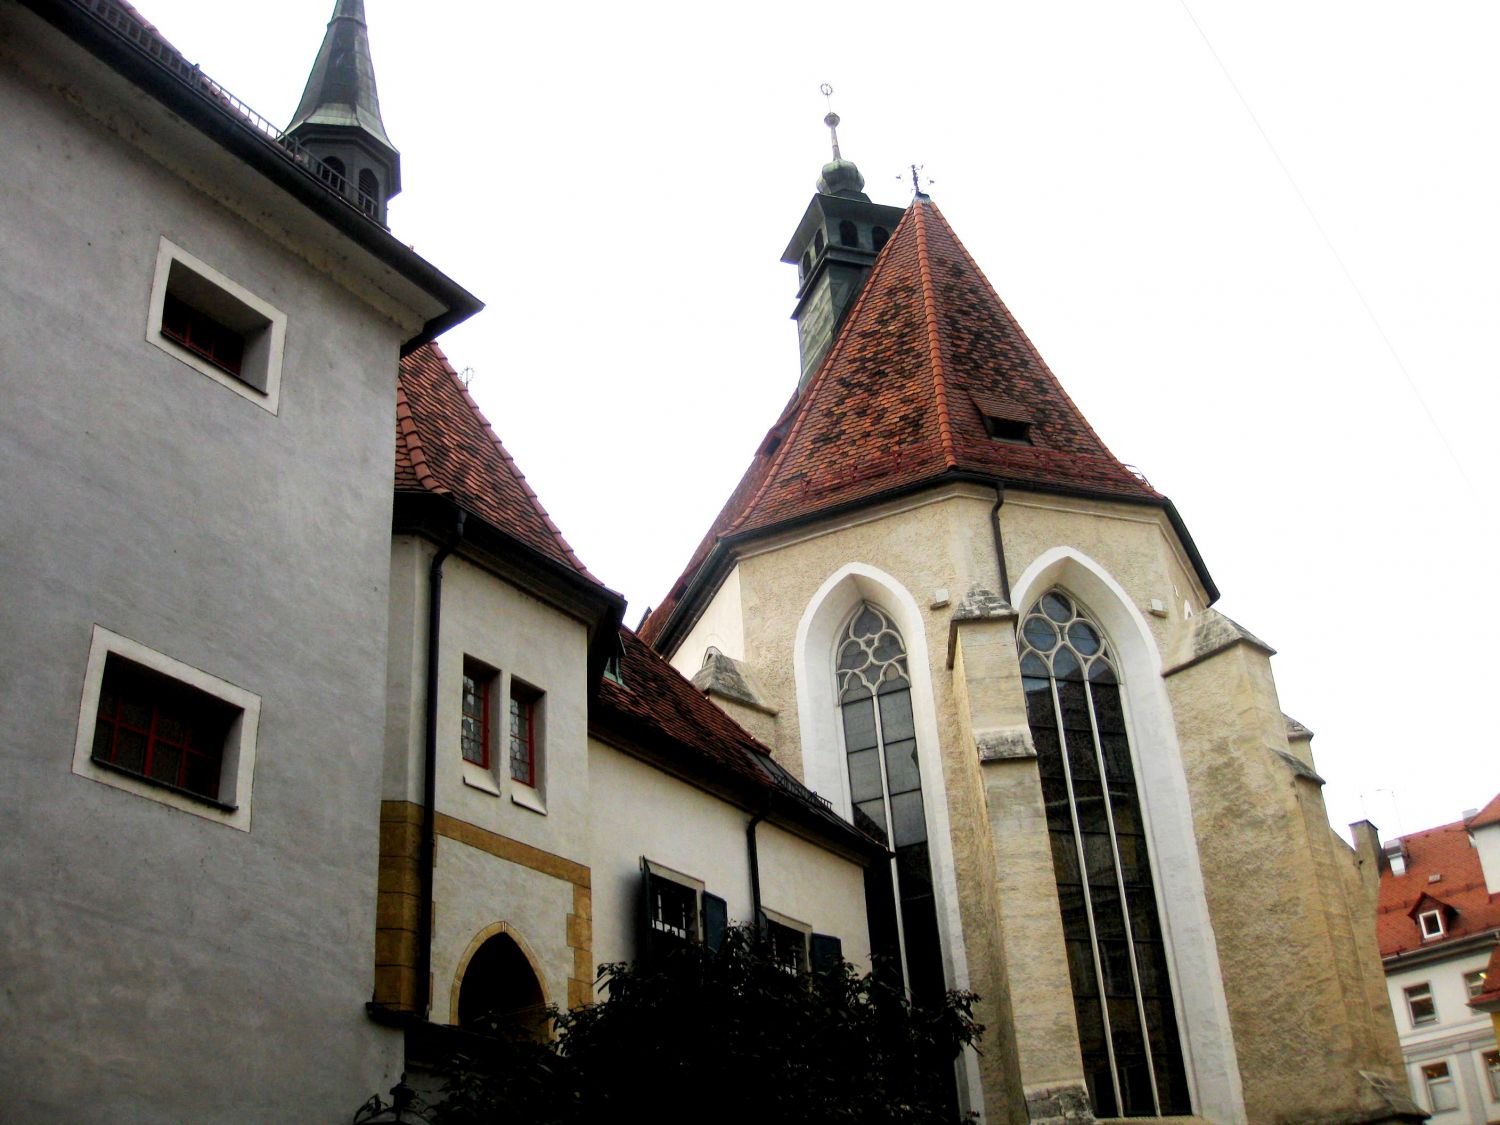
<point>429,767</point>
<point>999,545</point>
<point>754,853</point>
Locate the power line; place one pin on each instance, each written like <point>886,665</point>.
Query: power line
<point>1333,250</point>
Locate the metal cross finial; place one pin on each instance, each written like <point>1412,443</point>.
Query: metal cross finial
<point>916,180</point>
<point>832,119</point>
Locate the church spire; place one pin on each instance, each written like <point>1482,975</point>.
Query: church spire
<point>833,249</point>
<point>338,118</point>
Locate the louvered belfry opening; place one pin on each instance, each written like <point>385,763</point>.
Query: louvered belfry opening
<point>885,790</point>
<point>1122,995</point>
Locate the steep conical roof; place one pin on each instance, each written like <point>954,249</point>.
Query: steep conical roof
<point>929,376</point>
<point>341,88</point>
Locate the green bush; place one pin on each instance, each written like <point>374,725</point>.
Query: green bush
<point>725,1037</point>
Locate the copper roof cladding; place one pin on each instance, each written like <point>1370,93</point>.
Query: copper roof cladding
<point>445,445</point>
<point>656,709</point>
<point>900,398</point>
<point>1444,851</point>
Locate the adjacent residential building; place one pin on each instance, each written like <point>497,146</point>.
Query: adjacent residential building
<point>1439,927</point>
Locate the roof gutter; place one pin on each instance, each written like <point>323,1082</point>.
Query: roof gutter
<point>84,24</point>
<point>711,571</point>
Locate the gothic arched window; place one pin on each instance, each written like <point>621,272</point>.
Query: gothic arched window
<point>1122,996</point>
<point>885,792</point>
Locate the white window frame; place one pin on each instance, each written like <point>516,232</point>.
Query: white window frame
<point>1436,918</point>
<point>264,325</point>
<point>1421,991</point>
<point>1474,983</point>
<point>1439,1086</point>
<point>232,808</point>
<point>1490,1060</point>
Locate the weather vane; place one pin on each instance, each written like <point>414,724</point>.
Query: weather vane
<point>832,120</point>
<point>917,178</point>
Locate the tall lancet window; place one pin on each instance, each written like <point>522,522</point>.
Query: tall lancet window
<point>1121,994</point>
<point>885,789</point>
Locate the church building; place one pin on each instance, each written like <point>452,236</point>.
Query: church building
<point>992,645</point>
<point>323,747</point>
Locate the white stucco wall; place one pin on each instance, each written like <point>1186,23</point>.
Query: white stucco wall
<point>138,942</point>
<point>640,811</point>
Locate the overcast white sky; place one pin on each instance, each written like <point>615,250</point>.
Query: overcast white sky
<point>618,182</point>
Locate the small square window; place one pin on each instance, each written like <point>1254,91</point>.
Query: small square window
<point>786,941</point>
<point>1492,1072</point>
<point>1474,983</point>
<point>1431,922</point>
<point>1441,1095</point>
<point>164,730</point>
<point>216,327</point>
<point>673,902</point>
<point>1419,1004</point>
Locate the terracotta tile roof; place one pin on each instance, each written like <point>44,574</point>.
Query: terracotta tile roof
<point>1490,814</point>
<point>1489,999</point>
<point>445,445</point>
<point>1444,851</point>
<point>928,349</point>
<point>656,705</point>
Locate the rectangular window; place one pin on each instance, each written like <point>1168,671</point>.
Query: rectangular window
<point>671,917</point>
<point>525,704</point>
<point>1431,922</point>
<point>160,730</point>
<point>786,941</point>
<point>218,328</point>
<point>164,730</point>
<point>1474,983</point>
<point>1441,1095</point>
<point>479,685</point>
<point>1492,1072</point>
<point>1419,1004</point>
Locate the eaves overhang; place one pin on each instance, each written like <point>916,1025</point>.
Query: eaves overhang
<point>432,516</point>
<point>1439,951</point>
<point>640,739</point>
<point>88,23</point>
<point>721,558</point>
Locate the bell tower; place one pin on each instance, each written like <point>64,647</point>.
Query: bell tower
<point>338,119</point>
<point>833,249</point>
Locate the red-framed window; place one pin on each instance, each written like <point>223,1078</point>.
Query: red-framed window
<point>158,729</point>
<point>523,716</point>
<point>479,683</point>
<point>202,334</point>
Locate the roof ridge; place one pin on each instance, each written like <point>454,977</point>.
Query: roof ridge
<point>797,408</point>
<point>1021,332</point>
<point>411,437</point>
<point>934,341</point>
<point>530,492</point>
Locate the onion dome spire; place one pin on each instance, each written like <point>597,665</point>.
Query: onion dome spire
<point>840,176</point>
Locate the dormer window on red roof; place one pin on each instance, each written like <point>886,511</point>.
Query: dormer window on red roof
<point>1431,922</point>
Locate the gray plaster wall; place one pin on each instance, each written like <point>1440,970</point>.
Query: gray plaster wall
<point>155,965</point>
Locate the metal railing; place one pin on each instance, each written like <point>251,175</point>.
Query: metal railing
<point>127,25</point>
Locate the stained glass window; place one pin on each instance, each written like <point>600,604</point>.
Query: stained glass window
<point>1122,996</point>
<point>885,790</point>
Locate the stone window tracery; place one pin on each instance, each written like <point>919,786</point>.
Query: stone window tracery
<point>885,792</point>
<point>1122,996</point>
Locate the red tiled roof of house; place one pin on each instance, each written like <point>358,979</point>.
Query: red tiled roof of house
<point>1489,999</point>
<point>927,351</point>
<point>1490,814</point>
<point>445,445</point>
<point>1444,851</point>
<point>656,704</point>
